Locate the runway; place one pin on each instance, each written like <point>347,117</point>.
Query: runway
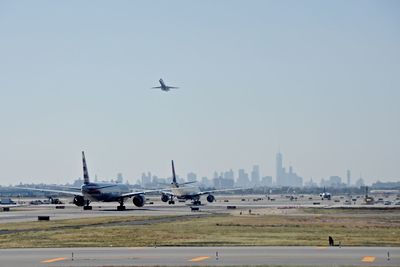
<point>242,203</point>
<point>201,256</point>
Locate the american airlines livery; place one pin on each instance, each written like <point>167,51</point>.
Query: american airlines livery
<point>100,192</point>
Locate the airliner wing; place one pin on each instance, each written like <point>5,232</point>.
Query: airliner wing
<point>76,193</point>
<point>188,183</point>
<point>220,190</point>
<point>157,87</point>
<point>168,193</point>
<point>131,194</point>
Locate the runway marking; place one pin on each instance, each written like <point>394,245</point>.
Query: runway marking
<point>321,247</point>
<point>53,260</point>
<point>201,258</point>
<point>368,259</point>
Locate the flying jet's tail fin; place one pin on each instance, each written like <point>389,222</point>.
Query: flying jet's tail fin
<point>85,170</point>
<point>173,174</point>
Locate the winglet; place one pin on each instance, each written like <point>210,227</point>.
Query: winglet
<point>85,170</point>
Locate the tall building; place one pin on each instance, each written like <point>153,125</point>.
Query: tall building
<point>191,177</point>
<point>284,178</point>
<point>255,175</point>
<point>146,179</point>
<point>335,181</point>
<point>266,181</point>
<point>243,178</point>
<point>229,175</point>
<point>348,178</point>
<point>119,179</point>
<point>360,182</point>
<point>279,169</point>
<point>205,181</point>
<point>221,182</point>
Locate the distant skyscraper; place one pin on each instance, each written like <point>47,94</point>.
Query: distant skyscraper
<point>360,182</point>
<point>284,178</point>
<point>310,183</point>
<point>243,178</point>
<point>255,175</point>
<point>266,181</point>
<point>155,180</point>
<point>215,175</point>
<point>146,179</point>
<point>119,179</point>
<point>191,177</point>
<point>348,178</point>
<point>335,181</point>
<point>205,181</point>
<point>229,175</point>
<point>279,169</point>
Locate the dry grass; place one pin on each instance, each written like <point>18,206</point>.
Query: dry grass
<point>220,230</point>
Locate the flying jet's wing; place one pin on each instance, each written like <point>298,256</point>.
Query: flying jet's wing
<point>76,193</point>
<point>131,194</point>
<point>156,87</point>
<point>172,87</point>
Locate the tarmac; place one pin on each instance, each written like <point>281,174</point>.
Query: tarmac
<point>202,256</point>
<point>241,203</point>
<point>191,256</point>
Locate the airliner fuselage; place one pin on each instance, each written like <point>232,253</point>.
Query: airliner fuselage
<point>104,192</point>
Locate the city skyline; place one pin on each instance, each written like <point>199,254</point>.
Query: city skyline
<point>284,176</point>
<point>317,80</point>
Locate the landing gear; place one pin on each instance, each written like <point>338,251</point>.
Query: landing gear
<point>87,207</point>
<point>171,201</point>
<point>121,206</point>
<point>196,202</point>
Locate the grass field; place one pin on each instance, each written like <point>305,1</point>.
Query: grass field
<point>351,229</point>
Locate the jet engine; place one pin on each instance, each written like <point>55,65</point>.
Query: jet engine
<point>210,198</point>
<point>164,198</point>
<point>79,201</point>
<point>139,200</point>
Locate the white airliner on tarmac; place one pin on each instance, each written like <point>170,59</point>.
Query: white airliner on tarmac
<point>192,193</point>
<point>164,87</point>
<point>100,192</point>
<point>325,195</point>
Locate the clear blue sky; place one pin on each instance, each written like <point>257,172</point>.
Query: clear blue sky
<point>319,80</point>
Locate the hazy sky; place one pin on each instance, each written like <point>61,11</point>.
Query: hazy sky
<point>319,80</point>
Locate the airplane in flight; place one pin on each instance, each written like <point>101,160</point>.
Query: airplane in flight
<point>164,87</point>
<point>192,193</point>
<point>325,195</point>
<point>100,192</point>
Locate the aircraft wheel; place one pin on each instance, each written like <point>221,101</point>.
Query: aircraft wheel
<point>87,207</point>
<point>121,208</point>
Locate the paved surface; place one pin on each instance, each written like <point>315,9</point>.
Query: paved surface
<point>197,256</point>
<point>258,204</point>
